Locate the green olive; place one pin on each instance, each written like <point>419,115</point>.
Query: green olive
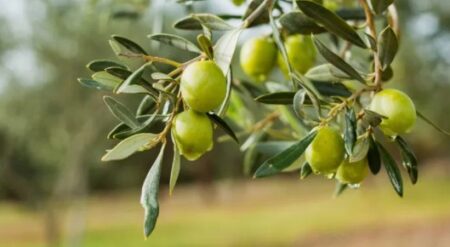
<point>301,53</point>
<point>332,5</point>
<point>399,110</point>
<point>238,2</point>
<point>352,173</point>
<point>258,57</point>
<point>203,86</point>
<point>193,134</point>
<point>326,151</point>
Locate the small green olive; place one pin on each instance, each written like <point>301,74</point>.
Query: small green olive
<point>258,57</point>
<point>326,151</point>
<point>352,173</point>
<point>399,110</point>
<point>238,2</point>
<point>203,86</point>
<point>301,53</point>
<point>193,134</point>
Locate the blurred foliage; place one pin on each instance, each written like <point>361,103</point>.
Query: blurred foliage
<point>50,143</point>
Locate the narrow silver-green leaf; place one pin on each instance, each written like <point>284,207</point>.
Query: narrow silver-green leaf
<point>379,6</point>
<point>149,195</point>
<point>129,45</point>
<point>197,21</point>
<point>146,105</point>
<point>387,47</point>
<point>205,45</point>
<point>176,165</point>
<point>223,125</point>
<point>409,159</point>
<point>102,64</point>
<point>428,121</point>
<point>175,41</point>
<point>305,171</point>
<point>296,22</point>
<point>121,112</point>
<point>337,61</point>
<point>129,146</point>
<point>331,22</point>
<point>259,13</point>
<point>360,150</point>
<point>285,158</point>
<point>373,157</point>
<point>106,79</point>
<point>350,130</point>
<point>95,84</point>
<point>225,48</point>
<point>134,78</point>
<point>278,98</point>
<point>392,170</point>
<point>339,189</point>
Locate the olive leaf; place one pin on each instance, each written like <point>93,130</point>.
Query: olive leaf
<point>360,150</point>
<point>298,102</point>
<point>392,170</point>
<point>296,22</point>
<point>175,41</point>
<point>153,123</point>
<point>121,112</point>
<point>372,118</point>
<point>223,125</point>
<point>226,102</point>
<point>350,130</point>
<point>106,79</point>
<point>331,22</point>
<point>259,10</point>
<point>326,73</point>
<point>409,159</point>
<point>134,79</point>
<point>129,45</point>
<point>129,146</point>
<point>285,158</point>
<point>90,83</point>
<point>206,46</point>
<point>305,171</point>
<point>337,61</point>
<point>176,163</point>
<point>118,72</point>
<point>198,21</point>
<point>339,189</point>
<point>373,157</point>
<point>435,126</point>
<point>387,47</point>
<point>102,64</point>
<point>379,6</point>
<point>224,49</point>
<point>149,194</point>
<point>146,105</point>
<point>277,98</point>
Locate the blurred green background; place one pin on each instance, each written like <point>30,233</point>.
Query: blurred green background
<point>55,192</point>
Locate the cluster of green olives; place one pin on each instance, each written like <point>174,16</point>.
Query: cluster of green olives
<point>203,88</point>
<point>326,154</point>
<point>259,55</point>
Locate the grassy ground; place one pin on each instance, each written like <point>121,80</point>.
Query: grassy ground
<point>268,212</point>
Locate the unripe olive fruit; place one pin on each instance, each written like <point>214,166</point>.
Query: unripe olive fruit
<point>352,173</point>
<point>326,151</point>
<point>257,57</point>
<point>398,108</point>
<point>203,86</point>
<point>332,5</point>
<point>301,53</point>
<point>193,134</point>
<point>238,2</point>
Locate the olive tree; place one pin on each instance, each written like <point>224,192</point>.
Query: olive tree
<point>327,113</point>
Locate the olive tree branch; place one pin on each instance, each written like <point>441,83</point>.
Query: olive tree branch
<point>373,32</point>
